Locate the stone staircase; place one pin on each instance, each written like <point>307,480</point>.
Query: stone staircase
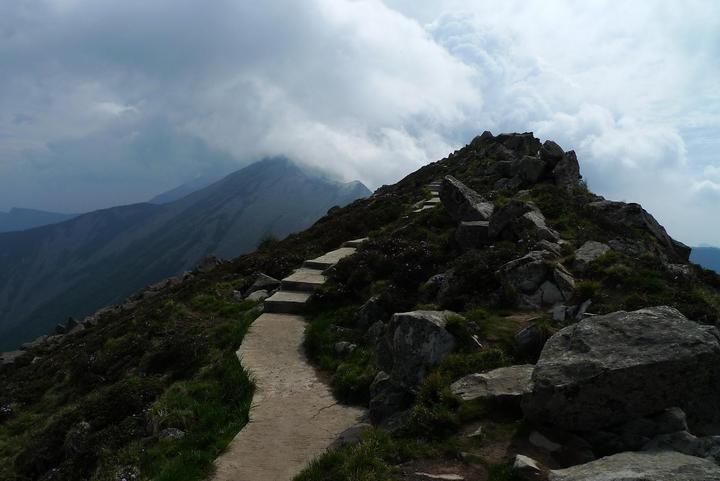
<point>294,416</point>
<point>433,201</point>
<point>296,289</point>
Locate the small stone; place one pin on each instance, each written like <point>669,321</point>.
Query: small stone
<point>171,433</point>
<point>258,296</point>
<point>502,384</point>
<point>344,347</point>
<point>527,469</point>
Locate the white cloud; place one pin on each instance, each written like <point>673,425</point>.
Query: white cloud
<point>366,89</point>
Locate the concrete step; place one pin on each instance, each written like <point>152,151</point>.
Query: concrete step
<point>433,201</point>
<point>425,207</point>
<point>355,242</point>
<point>287,302</point>
<point>303,280</point>
<point>330,259</point>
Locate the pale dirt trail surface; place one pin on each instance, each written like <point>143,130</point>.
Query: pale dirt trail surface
<point>294,417</point>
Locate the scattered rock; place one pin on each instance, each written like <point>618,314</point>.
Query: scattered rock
<point>503,384</point>
<point>463,203</point>
<point>530,341</point>
<point>520,220</point>
<point>263,283</point>
<point>614,368</point>
<point>375,332</point>
<point>527,469</point>
<point>351,435</point>
<point>258,296</point>
<point>171,433</point>
<point>386,398</point>
<point>537,280</point>
<point>418,341</point>
<point>642,466</point>
<point>530,169</point>
<point>370,312</point>
<point>472,234</point>
<point>552,247</point>
<point>589,251</point>
<point>344,347</point>
<point>683,442</point>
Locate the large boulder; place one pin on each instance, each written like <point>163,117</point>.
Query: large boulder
<point>520,220</point>
<point>370,313</point>
<point>642,466</point>
<point>610,369</point>
<point>537,280</point>
<point>417,341</point>
<point>521,144</point>
<point>551,153</point>
<point>588,252</point>
<point>263,282</point>
<point>634,216</point>
<point>530,169</point>
<point>502,384</point>
<point>463,203</point>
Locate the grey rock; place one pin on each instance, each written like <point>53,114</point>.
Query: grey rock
<point>548,294</point>
<point>633,215</point>
<point>565,281</point>
<point>530,341</point>
<point>387,398</point>
<point>238,296</point>
<point>258,296</point>
<point>520,220</point>
<point>502,384</point>
<point>344,347</point>
<point>263,282</point>
<point>642,466</point>
<point>418,341</point>
<point>370,312</point>
<point>10,357</point>
<point>610,369</point>
<point>462,203</point>
<point>581,310</point>
<point>171,433</point>
<point>567,171</point>
<point>472,234</point>
<point>351,435</point>
<point>588,252</point>
<point>530,169</point>
<point>208,264</point>
<point>537,279</point>
<point>707,447</point>
<point>680,271</point>
<point>527,469</point>
<point>551,153</point>
<point>60,329</point>
<point>548,246</point>
<point>521,144</point>
<point>375,332</point>
<point>503,168</point>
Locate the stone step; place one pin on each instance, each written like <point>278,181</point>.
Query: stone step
<point>330,259</point>
<point>355,242</point>
<point>287,302</point>
<point>303,280</point>
<point>425,207</point>
<point>433,201</point>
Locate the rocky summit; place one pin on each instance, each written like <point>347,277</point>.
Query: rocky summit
<point>488,317</point>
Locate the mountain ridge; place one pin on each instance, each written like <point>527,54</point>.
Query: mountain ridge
<point>139,244</point>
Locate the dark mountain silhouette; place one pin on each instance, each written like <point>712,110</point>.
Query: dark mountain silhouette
<point>708,257</point>
<point>75,267</point>
<point>22,219</point>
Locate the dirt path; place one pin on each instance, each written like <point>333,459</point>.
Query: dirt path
<point>294,417</point>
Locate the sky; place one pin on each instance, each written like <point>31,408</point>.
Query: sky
<point>105,103</point>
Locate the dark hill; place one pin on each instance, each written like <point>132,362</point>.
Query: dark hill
<point>22,219</point>
<point>97,259</point>
<point>708,257</point>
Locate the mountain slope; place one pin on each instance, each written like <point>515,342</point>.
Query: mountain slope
<point>708,257</point>
<point>78,266</point>
<point>22,219</point>
<point>183,190</point>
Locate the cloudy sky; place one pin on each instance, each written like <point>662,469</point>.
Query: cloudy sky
<point>110,102</point>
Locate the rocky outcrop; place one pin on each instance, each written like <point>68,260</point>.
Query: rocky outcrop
<point>520,220</point>
<point>472,234</point>
<point>417,341</point>
<point>634,216</point>
<point>567,171</point>
<point>370,313</point>
<point>527,469</point>
<point>642,466</point>
<point>505,384</point>
<point>611,369</point>
<point>462,203</point>
<point>588,252</point>
<point>537,280</point>
<point>263,282</point>
<point>413,343</point>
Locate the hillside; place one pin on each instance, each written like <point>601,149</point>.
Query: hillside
<point>98,259</point>
<point>497,308</point>
<point>708,257</point>
<point>22,219</point>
